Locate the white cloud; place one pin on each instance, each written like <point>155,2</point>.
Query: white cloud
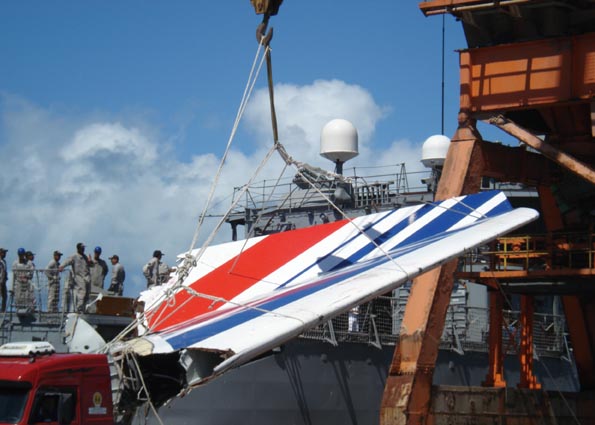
<point>303,111</point>
<point>102,183</point>
<point>109,139</point>
<point>67,178</point>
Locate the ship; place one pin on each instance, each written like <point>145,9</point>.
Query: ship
<point>339,372</point>
<point>334,373</point>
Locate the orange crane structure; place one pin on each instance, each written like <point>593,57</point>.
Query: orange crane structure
<point>529,69</point>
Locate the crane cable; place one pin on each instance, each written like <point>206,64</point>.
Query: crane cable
<point>289,160</point>
<point>189,259</point>
<point>243,103</point>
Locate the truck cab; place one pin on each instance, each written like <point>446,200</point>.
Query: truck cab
<point>39,386</point>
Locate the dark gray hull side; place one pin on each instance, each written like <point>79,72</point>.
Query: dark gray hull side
<point>314,383</point>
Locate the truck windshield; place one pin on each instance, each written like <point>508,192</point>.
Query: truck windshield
<point>12,402</point>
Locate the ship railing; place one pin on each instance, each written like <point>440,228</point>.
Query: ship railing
<point>30,289</point>
<point>370,186</point>
<point>378,322</point>
<point>550,251</point>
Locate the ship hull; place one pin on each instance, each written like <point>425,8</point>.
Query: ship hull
<point>309,382</point>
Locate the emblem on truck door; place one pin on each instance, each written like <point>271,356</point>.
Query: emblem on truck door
<point>97,409</point>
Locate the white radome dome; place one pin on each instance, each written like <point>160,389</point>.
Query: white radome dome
<point>338,141</point>
<point>434,149</point>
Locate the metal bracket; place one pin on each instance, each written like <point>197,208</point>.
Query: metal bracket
<point>332,339</point>
<point>376,342</point>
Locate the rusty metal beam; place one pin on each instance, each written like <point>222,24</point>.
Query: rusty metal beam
<point>408,387</point>
<point>517,164</point>
<point>407,393</point>
<point>550,212</point>
<point>567,161</point>
<point>495,377</point>
<point>528,75</point>
<point>581,339</point>
<point>437,7</point>
<point>528,275</point>
<point>509,406</point>
<point>527,378</point>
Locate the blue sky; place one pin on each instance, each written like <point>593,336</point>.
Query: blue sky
<point>114,115</point>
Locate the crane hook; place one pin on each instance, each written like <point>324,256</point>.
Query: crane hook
<point>261,37</point>
<point>268,8</point>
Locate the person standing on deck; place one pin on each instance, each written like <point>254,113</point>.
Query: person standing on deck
<point>118,276</point>
<point>151,269</point>
<point>3,279</point>
<point>31,265</point>
<point>353,319</point>
<point>30,259</point>
<point>22,271</point>
<point>164,271</point>
<point>53,276</point>
<point>82,276</point>
<point>98,272</point>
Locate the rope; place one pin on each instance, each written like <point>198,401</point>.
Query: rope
<point>245,97</point>
<point>144,387</point>
<point>243,305</point>
<point>359,229</point>
<point>190,260</point>
<point>288,160</point>
<point>251,232</point>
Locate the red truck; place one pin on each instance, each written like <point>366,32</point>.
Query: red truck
<point>39,386</point>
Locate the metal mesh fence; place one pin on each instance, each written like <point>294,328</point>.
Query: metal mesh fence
<point>30,291</point>
<point>465,329</point>
<point>377,322</point>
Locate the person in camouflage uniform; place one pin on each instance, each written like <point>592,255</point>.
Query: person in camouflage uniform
<point>53,275</point>
<point>164,271</point>
<point>22,269</point>
<point>3,279</point>
<point>98,268</point>
<point>118,276</point>
<point>81,282</point>
<point>151,269</point>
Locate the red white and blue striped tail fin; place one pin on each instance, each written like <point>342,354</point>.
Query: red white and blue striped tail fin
<point>245,298</point>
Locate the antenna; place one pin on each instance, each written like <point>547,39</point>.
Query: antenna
<point>443,38</point>
<point>338,142</point>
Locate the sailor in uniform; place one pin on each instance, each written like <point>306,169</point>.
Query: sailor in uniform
<point>53,276</point>
<point>81,282</point>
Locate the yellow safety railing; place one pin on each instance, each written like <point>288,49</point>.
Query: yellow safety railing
<point>534,252</point>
